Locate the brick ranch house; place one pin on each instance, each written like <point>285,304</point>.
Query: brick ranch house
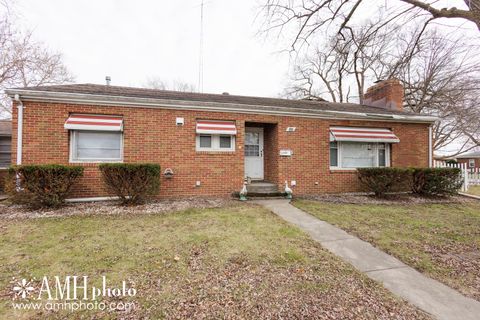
<point>212,142</point>
<point>472,159</point>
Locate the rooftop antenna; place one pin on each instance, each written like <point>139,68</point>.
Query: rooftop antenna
<point>200,57</point>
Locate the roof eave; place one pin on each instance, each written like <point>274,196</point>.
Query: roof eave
<point>108,100</point>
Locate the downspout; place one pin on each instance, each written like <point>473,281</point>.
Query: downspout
<point>430,147</point>
<point>19,129</point>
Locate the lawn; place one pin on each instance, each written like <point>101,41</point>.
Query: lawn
<point>475,190</point>
<point>239,261</point>
<point>440,240</point>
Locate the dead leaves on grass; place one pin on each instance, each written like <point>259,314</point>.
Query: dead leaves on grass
<point>463,264</point>
<point>396,199</point>
<point>242,289</point>
<point>112,208</point>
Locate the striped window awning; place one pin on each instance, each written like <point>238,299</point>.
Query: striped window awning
<point>94,122</point>
<point>216,127</point>
<point>356,134</point>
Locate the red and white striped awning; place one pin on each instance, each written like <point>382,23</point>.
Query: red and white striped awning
<point>216,127</point>
<point>94,122</point>
<point>363,134</point>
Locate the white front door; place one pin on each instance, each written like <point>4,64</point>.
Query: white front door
<point>254,153</point>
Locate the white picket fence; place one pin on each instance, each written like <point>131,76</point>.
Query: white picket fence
<point>471,176</point>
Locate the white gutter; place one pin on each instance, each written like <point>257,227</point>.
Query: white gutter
<point>106,100</point>
<point>19,129</point>
<point>430,147</point>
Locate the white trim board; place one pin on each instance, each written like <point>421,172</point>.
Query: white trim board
<point>119,101</point>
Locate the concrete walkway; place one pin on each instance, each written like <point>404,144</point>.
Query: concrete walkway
<point>469,195</point>
<point>427,294</point>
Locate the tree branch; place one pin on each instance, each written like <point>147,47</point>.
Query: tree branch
<point>471,15</point>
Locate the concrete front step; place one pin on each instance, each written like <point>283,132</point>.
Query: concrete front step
<point>266,195</point>
<point>262,187</point>
<point>262,196</point>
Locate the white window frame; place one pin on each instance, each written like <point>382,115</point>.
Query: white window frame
<point>340,153</point>
<point>73,139</point>
<point>471,163</point>
<point>215,143</point>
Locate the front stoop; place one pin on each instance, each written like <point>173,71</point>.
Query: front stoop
<point>262,189</point>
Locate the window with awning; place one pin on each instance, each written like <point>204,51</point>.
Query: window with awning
<point>216,127</point>
<point>358,134</point>
<point>215,135</point>
<point>95,138</point>
<point>353,147</point>
<point>94,122</point>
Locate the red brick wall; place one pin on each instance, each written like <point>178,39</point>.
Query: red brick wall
<point>151,135</point>
<point>310,145</point>
<point>477,162</point>
<point>271,152</point>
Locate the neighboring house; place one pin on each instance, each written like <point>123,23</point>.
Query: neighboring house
<point>472,159</point>
<point>5,149</point>
<point>212,142</point>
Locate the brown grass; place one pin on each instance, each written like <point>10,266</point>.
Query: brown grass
<point>475,190</point>
<point>441,240</point>
<point>234,262</point>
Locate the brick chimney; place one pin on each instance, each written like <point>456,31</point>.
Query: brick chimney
<point>387,94</point>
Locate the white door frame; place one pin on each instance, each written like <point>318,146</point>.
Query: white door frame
<point>254,165</point>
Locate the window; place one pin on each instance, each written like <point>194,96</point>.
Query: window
<point>215,142</point>
<point>350,155</point>
<point>96,146</point>
<point>252,144</point>
<point>333,154</point>
<point>205,142</point>
<point>471,163</point>
<point>225,142</point>
<point>382,156</point>
<point>5,151</point>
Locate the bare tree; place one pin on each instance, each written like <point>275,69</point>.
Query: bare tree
<point>341,69</point>
<point>309,17</point>
<point>176,85</point>
<point>440,76</point>
<point>24,61</point>
<point>472,13</point>
<point>320,75</point>
<point>442,79</point>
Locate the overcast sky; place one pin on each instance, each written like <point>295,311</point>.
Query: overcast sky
<point>134,40</point>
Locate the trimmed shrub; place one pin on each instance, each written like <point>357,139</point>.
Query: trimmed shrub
<point>436,181</point>
<point>451,161</point>
<point>384,180</point>
<point>42,185</point>
<point>3,179</point>
<point>133,183</point>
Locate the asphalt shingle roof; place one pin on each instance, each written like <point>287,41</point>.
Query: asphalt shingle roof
<point>470,155</point>
<point>119,91</point>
